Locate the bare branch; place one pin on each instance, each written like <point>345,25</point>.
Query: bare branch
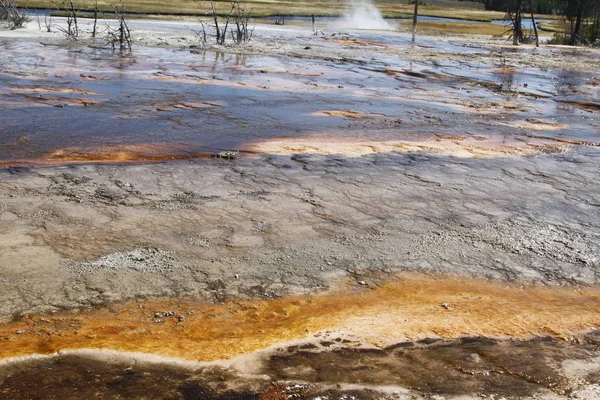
<point>234,23</point>
<point>121,36</point>
<point>11,15</point>
<point>72,29</point>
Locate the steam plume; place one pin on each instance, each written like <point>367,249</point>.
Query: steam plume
<point>363,14</point>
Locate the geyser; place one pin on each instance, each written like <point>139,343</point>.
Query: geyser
<point>363,14</point>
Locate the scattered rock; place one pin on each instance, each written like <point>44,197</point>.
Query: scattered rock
<point>142,260</point>
<point>229,154</point>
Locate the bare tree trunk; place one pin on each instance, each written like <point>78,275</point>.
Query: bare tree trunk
<point>11,14</point>
<point>95,18</point>
<point>414,25</point>
<point>595,24</point>
<point>216,21</point>
<point>535,31</point>
<point>576,31</point>
<point>74,14</point>
<point>72,29</point>
<point>517,28</point>
<point>48,23</point>
<point>224,33</point>
<point>122,35</point>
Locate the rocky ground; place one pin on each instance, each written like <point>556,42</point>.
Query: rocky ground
<point>275,225</point>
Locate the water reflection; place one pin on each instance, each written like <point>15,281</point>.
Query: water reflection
<point>213,101</point>
<point>507,80</point>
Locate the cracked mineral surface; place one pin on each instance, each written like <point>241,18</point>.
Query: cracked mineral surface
<point>398,221</point>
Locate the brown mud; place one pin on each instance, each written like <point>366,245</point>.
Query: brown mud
<point>468,368</point>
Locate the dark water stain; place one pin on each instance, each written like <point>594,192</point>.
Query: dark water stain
<point>467,366</point>
<point>196,391</point>
<point>78,377</point>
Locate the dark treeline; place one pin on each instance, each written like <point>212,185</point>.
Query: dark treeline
<point>581,18</point>
<point>539,6</point>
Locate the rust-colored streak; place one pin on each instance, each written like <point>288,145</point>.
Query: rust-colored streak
<point>121,154</point>
<point>62,101</point>
<point>407,308</point>
<point>340,113</point>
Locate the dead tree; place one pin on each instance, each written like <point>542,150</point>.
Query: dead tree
<point>517,29</point>
<point>414,24</point>
<point>72,29</point>
<point>95,18</point>
<point>202,33</point>
<point>48,23</point>
<point>14,17</point>
<point>121,36</point>
<point>241,19</point>
<point>535,31</point>
<point>514,13</point>
<point>221,24</point>
<point>220,31</point>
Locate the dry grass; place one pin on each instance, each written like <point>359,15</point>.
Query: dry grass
<point>447,9</point>
<point>410,307</point>
<point>458,28</point>
<point>554,26</point>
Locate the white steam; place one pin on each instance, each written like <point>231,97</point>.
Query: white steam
<point>362,14</point>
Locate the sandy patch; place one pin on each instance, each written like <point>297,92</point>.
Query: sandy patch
<point>454,146</point>
<point>55,90</point>
<point>533,124</point>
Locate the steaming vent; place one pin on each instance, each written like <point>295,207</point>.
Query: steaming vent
<point>363,14</point>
